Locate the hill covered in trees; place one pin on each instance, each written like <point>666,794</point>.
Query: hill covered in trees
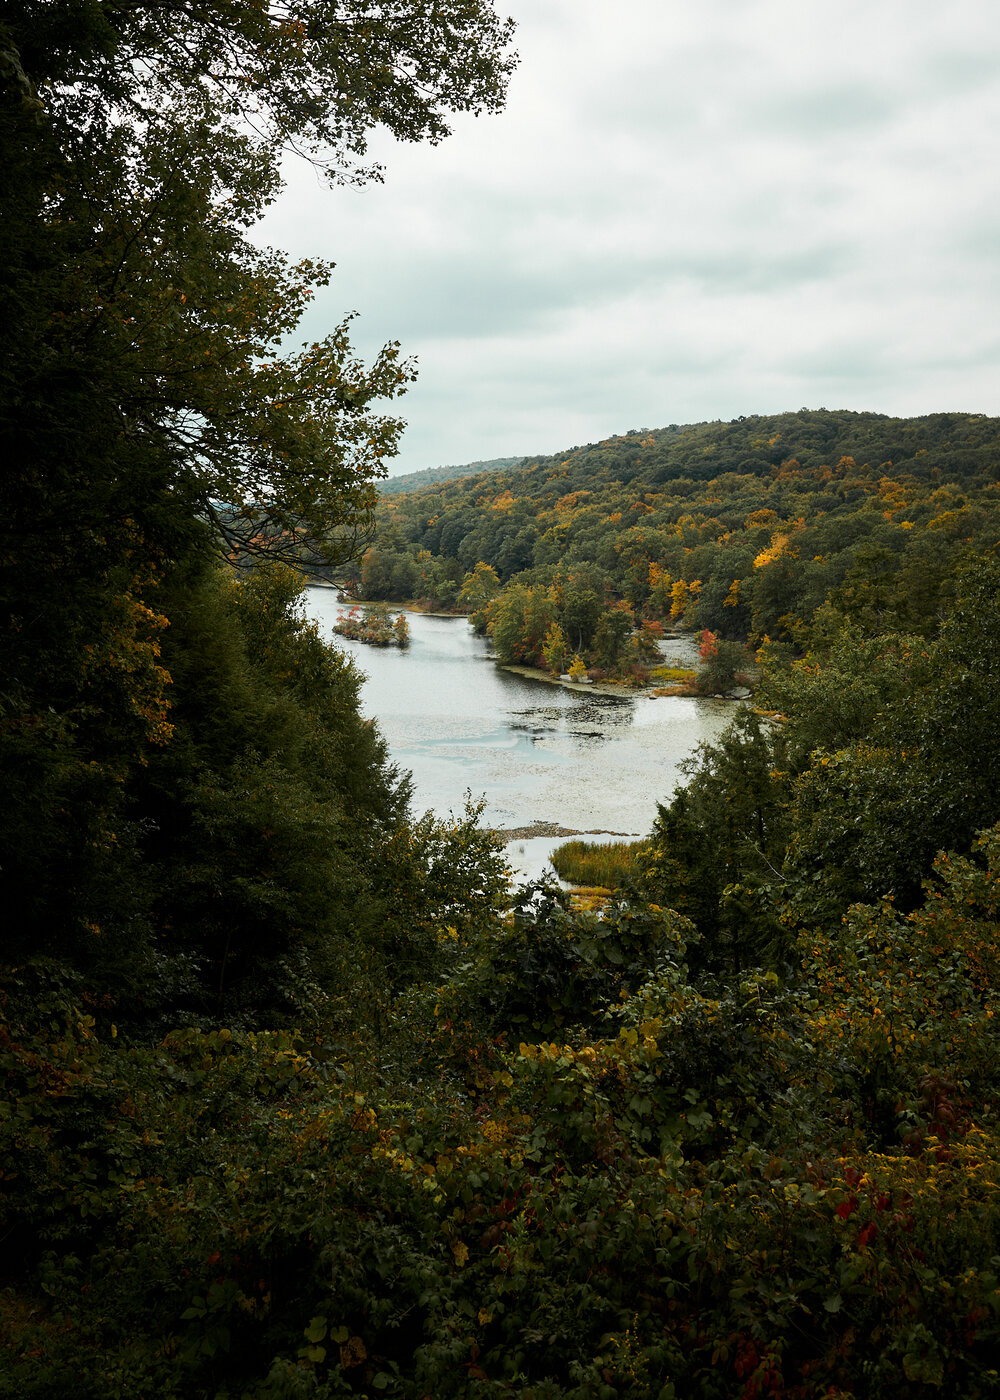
<point>299,1098</point>
<point>414,481</point>
<point>753,529</point>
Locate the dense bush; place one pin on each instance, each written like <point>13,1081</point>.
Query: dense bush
<point>774,1190</point>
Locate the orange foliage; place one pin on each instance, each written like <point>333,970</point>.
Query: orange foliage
<point>565,503</point>
<point>760,517</point>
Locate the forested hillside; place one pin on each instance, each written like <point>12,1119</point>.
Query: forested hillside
<point>414,481</point>
<point>746,528</point>
<point>299,1098</point>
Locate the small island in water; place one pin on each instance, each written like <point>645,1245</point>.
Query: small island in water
<point>374,625</point>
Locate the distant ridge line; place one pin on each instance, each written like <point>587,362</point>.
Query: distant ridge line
<point>414,481</point>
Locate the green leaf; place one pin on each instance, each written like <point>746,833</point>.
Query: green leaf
<point>316,1330</point>
<point>834,1303</point>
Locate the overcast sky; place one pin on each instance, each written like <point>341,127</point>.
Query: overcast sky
<point>691,209</point>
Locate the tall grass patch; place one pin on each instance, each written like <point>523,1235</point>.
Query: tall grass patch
<point>606,865</point>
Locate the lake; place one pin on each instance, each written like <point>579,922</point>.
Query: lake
<point>534,750</point>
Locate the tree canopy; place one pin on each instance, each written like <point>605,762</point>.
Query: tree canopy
<point>148,407</point>
<point>762,527</point>
<point>148,139</point>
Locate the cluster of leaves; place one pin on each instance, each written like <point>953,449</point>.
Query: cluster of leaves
<point>877,752</point>
<point>390,571</point>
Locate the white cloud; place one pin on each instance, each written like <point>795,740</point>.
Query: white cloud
<point>691,209</point>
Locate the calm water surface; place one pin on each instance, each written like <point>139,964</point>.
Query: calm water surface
<point>535,751</point>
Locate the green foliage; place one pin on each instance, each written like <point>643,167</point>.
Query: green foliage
<point>438,888</point>
<point>478,590</point>
<point>413,481</point>
<point>396,574</point>
<point>879,754</point>
<point>916,990</point>
<point>694,1195</point>
<point>611,637</point>
<point>724,665</point>
<point>142,387</point>
<point>550,966</point>
<point>530,1155</point>
<point>870,813</point>
<point>519,620</point>
<point>189,780</point>
<point>581,612</point>
<point>554,649</point>
<point>715,848</point>
<point>537,625</point>
<point>785,556</point>
<point>832,698</point>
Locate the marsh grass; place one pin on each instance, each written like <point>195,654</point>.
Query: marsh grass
<point>674,680</point>
<point>598,865</point>
<point>673,675</point>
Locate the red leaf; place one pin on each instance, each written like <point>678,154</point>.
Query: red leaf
<point>866,1234</point>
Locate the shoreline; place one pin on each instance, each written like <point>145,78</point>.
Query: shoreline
<point>614,689</point>
<point>553,831</point>
<point>581,687</point>
<point>619,688</point>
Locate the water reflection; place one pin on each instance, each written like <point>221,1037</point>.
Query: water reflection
<point>535,751</point>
